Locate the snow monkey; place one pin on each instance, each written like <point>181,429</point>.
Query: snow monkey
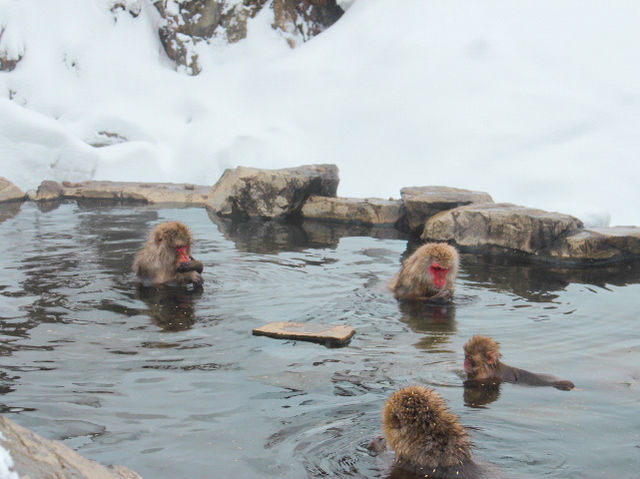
<point>166,257</point>
<point>428,439</point>
<point>428,274</point>
<point>482,363</point>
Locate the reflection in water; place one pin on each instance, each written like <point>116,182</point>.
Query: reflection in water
<point>171,309</point>
<point>9,210</point>
<point>436,321</point>
<point>274,236</point>
<point>478,395</point>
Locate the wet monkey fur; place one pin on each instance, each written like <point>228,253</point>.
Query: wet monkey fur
<point>482,363</point>
<point>165,259</point>
<point>428,274</point>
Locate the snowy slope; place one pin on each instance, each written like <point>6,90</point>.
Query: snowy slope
<point>536,102</point>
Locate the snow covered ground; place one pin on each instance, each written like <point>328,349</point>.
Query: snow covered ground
<point>536,102</point>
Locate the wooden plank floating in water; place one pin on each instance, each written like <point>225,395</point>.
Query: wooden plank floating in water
<point>317,333</point>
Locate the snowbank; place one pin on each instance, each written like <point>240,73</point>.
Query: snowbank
<point>535,102</point>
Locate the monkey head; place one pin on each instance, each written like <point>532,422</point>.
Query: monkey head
<point>175,237</point>
<point>481,357</point>
<point>442,261</point>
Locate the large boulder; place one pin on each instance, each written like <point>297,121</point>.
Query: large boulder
<point>368,211</point>
<point>502,225</point>
<point>9,191</point>
<point>250,192</point>
<point>597,245</point>
<point>422,202</point>
<point>36,457</point>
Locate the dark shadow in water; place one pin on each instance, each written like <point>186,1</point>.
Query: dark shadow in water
<point>275,236</point>
<point>9,210</point>
<point>436,321</point>
<point>171,309</point>
<point>476,395</point>
<point>539,282</point>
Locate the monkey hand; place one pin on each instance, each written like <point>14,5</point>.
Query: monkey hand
<point>193,265</point>
<point>563,385</point>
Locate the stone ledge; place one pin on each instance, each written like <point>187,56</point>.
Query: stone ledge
<point>153,193</point>
<point>423,202</point>
<point>37,457</point>
<point>317,333</point>
<point>503,225</point>
<point>367,211</point>
<point>597,245</point>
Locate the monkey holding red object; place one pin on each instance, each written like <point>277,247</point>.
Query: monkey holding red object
<point>428,439</point>
<point>482,365</point>
<point>165,259</point>
<point>428,274</point>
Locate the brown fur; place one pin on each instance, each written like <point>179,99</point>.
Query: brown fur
<point>423,432</point>
<point>482,363</point>
<point>415,281</point>
<point>157,262</point>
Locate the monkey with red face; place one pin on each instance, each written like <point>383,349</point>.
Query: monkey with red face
<point>428,274</point>
<point>483,367</point>
<point>166,257</point>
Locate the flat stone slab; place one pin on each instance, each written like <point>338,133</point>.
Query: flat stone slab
<point>36,457</point>
<point>178,193</point>
<point>423,202</point>
<point>596,245</point>
<point>258,193</point>
<point>317,333</point>
<point>9,191</point>
<point>369,211</point>
<point>503,225</point>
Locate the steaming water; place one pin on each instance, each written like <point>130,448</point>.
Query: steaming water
<point>175,385</point>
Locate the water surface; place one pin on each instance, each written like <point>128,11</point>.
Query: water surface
<point>175,385</point>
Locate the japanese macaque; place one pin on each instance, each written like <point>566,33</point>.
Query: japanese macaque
<point>482,365</point>
<point>428,274</point>
<point>427,438</point>
<point>166,257</point>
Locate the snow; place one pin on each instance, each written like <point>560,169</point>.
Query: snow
<point>535,102</point>
<point>6,463</point>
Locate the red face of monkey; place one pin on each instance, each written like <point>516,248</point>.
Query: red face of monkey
<point>439,274</point>
<point>182,253</point>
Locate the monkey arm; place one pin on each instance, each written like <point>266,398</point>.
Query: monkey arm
<point>193,265</point>
<point>516,375</point>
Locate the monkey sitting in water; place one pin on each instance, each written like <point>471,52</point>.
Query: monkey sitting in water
<point>428,274</point>
<point>427,438</point>
<point>482,365</point>
<point>166,257</point>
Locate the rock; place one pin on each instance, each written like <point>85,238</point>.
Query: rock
<point>304,19</point>
<point>251,192</point>
<point>9,191</point>
<point>597,245</point>
<point>368,211</point>
<point>49,191</point>
<point>422,202</point>
<point>171,193</point>
<point>317,333</point>
<point>185,24</point>
<point>501,225</point>
<point>37,457</point>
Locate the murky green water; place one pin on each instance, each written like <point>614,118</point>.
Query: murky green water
<point>175,386</point>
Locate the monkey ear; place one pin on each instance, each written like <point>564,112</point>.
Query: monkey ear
<point>158,238</point>
<point>491,357</point>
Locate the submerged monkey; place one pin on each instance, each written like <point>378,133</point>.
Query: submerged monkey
<point>482,364</point>
<point>165,259</point>
<point>428,274</point>
<point>427,438</point>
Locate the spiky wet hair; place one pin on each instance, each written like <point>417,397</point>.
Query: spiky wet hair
<point>171,232</point>
<point>422,431</point>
